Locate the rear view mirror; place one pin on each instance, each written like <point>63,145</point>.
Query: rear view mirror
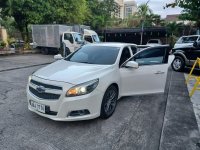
<point>132,64</point>
<point>58,57</point>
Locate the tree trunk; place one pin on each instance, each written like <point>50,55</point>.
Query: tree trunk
<point>27,34</point>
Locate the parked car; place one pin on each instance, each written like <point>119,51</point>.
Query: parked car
<point>187,41</point>
<point>154,42</point>
<point>185,56</point>
<point>88,83</point>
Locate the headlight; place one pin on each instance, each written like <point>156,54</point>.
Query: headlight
<point>83,88</point>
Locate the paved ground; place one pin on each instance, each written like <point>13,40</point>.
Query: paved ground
<point>147,122</point>
<point>16,61</point>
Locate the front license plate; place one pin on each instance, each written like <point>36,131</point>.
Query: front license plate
<point>37,106</point>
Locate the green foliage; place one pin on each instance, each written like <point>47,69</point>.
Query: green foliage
<point>145,16</point>
<point>26,12</point>
<point>9,24</point>
<point>174,30</point>
<point>100,13</point>
<point>2,44</point>
<point>70,11</point>
<point>143,11</point>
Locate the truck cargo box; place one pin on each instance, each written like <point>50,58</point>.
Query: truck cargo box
<point>49,35</point>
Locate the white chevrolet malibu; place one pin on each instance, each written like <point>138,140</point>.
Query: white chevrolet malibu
<point>88,83</point>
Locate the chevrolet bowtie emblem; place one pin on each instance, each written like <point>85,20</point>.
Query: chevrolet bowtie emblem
<point>40,89</point>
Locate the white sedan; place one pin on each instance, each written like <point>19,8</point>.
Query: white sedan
<point>88,83</point>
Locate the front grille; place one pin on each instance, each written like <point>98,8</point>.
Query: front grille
<point>45,85</point>
<point>49,96</point>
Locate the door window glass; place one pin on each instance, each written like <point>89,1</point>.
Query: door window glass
<point>68,36</point>
<point>88,38</point>
<point>134,49</point>
<point>150,56</point>
<point>124,56</point>
<point>78,37</point>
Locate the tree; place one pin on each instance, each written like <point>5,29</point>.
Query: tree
<point>100,12</point>
<point>67,12</point>
<point>26,12</point>
<point>191,10</point>
<point>174,30</point>
<point>143,11</point>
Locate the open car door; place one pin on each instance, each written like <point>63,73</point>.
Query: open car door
<point>151,75</point>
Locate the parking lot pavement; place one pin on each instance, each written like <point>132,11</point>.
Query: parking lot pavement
<point>139,123</point>
<point>20,61</point>
<point>180,129</point>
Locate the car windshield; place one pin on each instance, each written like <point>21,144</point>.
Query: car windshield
<point>189,39</point>
<point>78,37</point>
<point>95,38</point>
<point>101,55</point>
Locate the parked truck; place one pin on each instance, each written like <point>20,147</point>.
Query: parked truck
<point>53,38</point>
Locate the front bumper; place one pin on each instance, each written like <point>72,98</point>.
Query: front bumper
<point>62,107</point>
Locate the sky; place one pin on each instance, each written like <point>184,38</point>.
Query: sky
<point>157,7</point>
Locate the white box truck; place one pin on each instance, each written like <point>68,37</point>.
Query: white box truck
<point>52,38</point>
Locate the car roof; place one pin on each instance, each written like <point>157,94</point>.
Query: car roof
<point>111,44</point>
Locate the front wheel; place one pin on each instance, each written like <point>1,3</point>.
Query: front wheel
<point>67,51</point>
<point>178,64</point>
<point>109,102</point>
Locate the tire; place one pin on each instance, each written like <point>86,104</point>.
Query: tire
<point>45,51</point>
<point>109,102</point>
<point>178,64</point>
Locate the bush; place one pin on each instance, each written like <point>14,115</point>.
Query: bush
<point>2,44</point>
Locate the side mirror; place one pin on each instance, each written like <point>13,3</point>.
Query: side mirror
<point>58,57</point>
<point>132,64</point>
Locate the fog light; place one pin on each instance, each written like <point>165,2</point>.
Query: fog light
<point>77,113</point>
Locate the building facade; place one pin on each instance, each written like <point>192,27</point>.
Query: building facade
<point>3,34</point>
<point>119,4</point>
<point>130,7</point>
<point>125,8</point>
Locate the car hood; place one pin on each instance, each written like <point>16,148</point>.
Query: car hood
<point>70,72</point>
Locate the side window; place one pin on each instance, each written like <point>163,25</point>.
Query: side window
<point>134,49</point>
<point>68,36</point>
<point>88,38</point>
<point>150,56</point>
<point>124,56</point>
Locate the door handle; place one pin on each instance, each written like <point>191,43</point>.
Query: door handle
<point>159,72</point>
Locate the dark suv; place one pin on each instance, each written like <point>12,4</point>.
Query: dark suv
<point>185,56</point>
